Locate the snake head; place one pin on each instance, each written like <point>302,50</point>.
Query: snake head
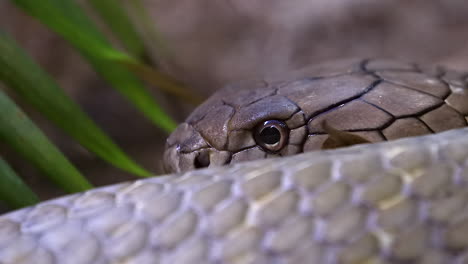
<point>241,122</point>
<point>361,101</point>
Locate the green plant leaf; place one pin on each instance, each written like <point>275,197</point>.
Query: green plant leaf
<point>67,19</point>
<point>13,190</point>
<point>116,18</point>
<point>23,136</point>
<point>35,86</point>
<point>151,34</point>
<point>159,79</point>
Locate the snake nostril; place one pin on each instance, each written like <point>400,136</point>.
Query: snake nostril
<point>202,160</point>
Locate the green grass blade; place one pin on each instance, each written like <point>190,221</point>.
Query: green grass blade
<point>23,136</point>
<point>24,76</point>
<point>117,20</point>
<point>152,35</point>
<point>64,12</point>
<point>13,190</point>
<point>161,80</point>
<point>67,19</point>
<point>132,88</point>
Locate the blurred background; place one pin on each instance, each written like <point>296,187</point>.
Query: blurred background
<point>212,43</point>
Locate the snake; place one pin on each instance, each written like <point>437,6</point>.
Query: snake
<point>252,180</point>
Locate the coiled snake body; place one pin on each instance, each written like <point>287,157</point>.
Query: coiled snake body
<point>403,201</point>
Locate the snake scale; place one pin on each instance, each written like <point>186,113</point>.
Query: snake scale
<point>402,201</point>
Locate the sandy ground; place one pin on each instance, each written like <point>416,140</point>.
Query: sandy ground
<point>216,42</point>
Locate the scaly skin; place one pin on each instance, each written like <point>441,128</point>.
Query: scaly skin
<point>402,201</point>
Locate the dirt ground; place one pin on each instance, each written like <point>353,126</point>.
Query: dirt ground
<point>216,42</point>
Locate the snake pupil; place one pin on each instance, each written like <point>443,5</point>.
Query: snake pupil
<point>270,135</point>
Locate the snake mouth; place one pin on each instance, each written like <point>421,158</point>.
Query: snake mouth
<point>177,161</point>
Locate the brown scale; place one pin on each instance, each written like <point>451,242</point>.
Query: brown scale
<point>358,100</point>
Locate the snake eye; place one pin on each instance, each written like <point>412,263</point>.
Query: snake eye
<point>272,135</point>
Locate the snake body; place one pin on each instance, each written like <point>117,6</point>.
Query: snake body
<point>402,201</point>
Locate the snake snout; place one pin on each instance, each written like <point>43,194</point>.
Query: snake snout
<point>186,150</point>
